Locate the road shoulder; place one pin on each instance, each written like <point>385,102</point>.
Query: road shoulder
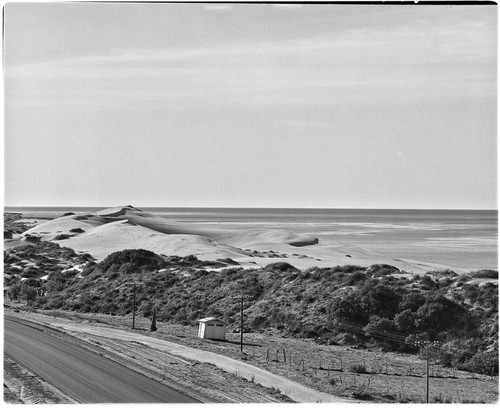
<point>202,381</point>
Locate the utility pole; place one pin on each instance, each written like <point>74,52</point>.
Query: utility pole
<point>426,344</point>
<point>133,309</point>
<point>241,319</point>
<point>134,284</point>
<point>241,324</point>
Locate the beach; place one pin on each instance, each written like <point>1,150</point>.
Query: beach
<point>413,241</point>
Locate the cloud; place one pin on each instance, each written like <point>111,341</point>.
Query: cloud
<point>289,6</point>
<point>395,63</point>
<point>218,7</point>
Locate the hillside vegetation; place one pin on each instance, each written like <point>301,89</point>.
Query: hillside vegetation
<point>376,306</point>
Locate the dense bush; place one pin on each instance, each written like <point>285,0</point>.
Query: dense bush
<point>380,327</point>
<point>482,363</point>
<point>28,293</point>
<point>348,308</point>
<point>358,368</point>
<point>56,281</point>
<point>485,274</point>
<point>138,259</point>
<point>281,267</point>
<point>356,277</point>
<point>342,304</point>
<point>14,291</point>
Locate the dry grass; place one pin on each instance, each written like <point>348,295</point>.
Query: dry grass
<point>20,386</point>
<point>202,381</point>
<point>332,369</point>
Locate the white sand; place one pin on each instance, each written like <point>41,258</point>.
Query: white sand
<point>119,228</point>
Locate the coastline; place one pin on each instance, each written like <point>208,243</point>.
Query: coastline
<point>213,234</point>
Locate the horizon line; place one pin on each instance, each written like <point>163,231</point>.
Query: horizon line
<point>257,208</point>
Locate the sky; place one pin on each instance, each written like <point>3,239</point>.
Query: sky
<point>250,105</point>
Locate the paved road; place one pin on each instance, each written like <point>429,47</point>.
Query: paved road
<point>79,373</point>
<point>297,392</point>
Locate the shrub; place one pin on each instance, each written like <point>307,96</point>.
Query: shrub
<point>382,328</point>
<point>31,273</point>
<point>14,291</point>
<point>351,268</point>
<point>28,293</point>
<point>112,275</point>
<point>34,283</point>
<point>440,399</point>
<point>378,270</point>
<point>439,314</point>
<point>361,395</point>
<point>428,283</point>
<point>61,237</point>
<point>482,363</point>
<point>88,269</point>
<point>348,308</point>
<point>233,274</point>
<point>358,368</point>
<point>412,301</point>
<point>146,308</point>
<point>383,300</point>
<point>137,258</point>
<point>126,268</point>
<point>55,282</point>
<point>76,230</point>
<point>228,261</point>
<point>281,266</point>
<point>258,322</point>
<point>485,273</point>
<point>405,321</point>
<point>356,277</point>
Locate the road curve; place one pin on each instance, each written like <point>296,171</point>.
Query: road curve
<point>79,373</point>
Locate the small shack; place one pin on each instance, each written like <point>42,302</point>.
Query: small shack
<point>212,328</point>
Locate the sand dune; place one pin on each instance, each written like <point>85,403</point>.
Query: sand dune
<point>114,229</point>
<point>48,230</point>
<point>122,234</point>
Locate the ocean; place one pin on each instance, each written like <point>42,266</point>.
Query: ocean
<point>461,238</point>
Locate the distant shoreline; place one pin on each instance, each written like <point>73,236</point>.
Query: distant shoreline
<point>10,209</point>
<point>411,241</point>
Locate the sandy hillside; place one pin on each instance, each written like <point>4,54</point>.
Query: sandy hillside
<point>114,229</point>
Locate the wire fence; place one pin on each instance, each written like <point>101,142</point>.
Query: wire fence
<point>364,371</point>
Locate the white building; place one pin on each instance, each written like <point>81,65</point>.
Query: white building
<point>212,328</point>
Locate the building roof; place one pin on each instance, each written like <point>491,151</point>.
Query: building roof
<point>210,319</point>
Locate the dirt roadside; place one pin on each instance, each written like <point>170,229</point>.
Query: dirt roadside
<point>389,377</point>
<point>208,376</point>
<point>23,387</point>
<point>297,392</point>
